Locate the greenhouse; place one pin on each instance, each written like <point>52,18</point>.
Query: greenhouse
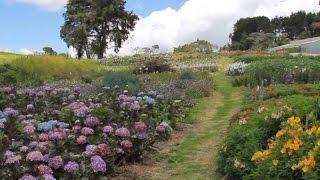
<point>306,46</point>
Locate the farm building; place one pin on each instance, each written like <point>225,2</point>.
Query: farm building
<point>306,46</point>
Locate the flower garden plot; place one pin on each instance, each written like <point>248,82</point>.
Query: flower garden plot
<point>54,132</point>
<point>253,148</point>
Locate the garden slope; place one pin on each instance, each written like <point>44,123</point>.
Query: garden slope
<point>193,157</point>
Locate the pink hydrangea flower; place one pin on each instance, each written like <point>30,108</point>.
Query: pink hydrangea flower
<point>29,129</point>
<point>108,129</point>
<point>87,131</point>
<point>123,132</point>
<point>160,129</point>
<point>91,121</point>
<point>103,150</point>
<point>140,126</point>
<point>43,137</point>
<point>56,135</point>
<point>76,128</point>
<point>24,149</point>
<point>35,156</point>
<point>82,140</point>
<point>126,144</point>
<point>43,169</point>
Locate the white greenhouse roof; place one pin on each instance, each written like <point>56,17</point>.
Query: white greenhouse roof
<point>296,43</point>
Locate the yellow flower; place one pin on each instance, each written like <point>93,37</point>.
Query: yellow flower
<point>275,162</point>
<point>294,121</point>
<point>306,163</point>
<point>311,130</point>
<point>257,156</point>
<point>281,133</point>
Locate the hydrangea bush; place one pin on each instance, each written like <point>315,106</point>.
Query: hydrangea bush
<point>54,132</point>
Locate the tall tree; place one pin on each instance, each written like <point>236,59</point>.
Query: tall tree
<point>75,31</point>
<point>96,25</point>
<point>49,51</point>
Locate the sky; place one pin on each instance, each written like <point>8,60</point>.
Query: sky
<point>30,25</point>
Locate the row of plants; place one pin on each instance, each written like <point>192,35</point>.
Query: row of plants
<point>275,135</point>
<point>280,70</point>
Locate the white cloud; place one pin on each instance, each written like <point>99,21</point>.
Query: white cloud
<point>211,20</point>
<point>26,51</point>
<point>46,4</point>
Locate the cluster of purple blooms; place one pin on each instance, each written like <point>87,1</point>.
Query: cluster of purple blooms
<point>43,142</point>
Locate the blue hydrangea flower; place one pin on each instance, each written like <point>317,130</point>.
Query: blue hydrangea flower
<point>63,125</point>
<point>47,126</point>
<point>2,115</point>
<point>152,93</point>
<point>141,135</point>
<point>150,101</point>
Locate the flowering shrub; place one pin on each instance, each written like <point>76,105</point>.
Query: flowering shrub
<point>152,65</point>
<point>237,68</point>
<point>292,152</point>
<point>53,132</point>
<point>264,142</point>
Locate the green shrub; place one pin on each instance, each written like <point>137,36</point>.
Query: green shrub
<point>152,65</point>
<point>187,75</point>
<point>252,128</point>
<point>123,80</point>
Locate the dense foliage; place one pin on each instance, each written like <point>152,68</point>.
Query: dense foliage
<point>260,33</point>
<point>91,26</point>
<point>265,140</point>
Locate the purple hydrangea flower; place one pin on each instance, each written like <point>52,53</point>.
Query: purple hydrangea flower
<point>98,164</point>
<point>28,177</point>
<point>56,135</point>
<point>55,162</point>
<point>71,167</point>
<point>48,177</point>
<point>142,135</point>
<point>30,107</point>
<point>90,150</point>
<point>10,112</point>
<point>108,129</point>
<point>87,131</point>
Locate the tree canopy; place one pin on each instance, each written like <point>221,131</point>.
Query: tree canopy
<point>299,25</point>
<point>93,26</point>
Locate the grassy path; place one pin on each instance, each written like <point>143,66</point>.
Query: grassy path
<point>193,157</point>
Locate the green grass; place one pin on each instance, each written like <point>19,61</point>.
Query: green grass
<point>181,159</point>
<point>7,57</point>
